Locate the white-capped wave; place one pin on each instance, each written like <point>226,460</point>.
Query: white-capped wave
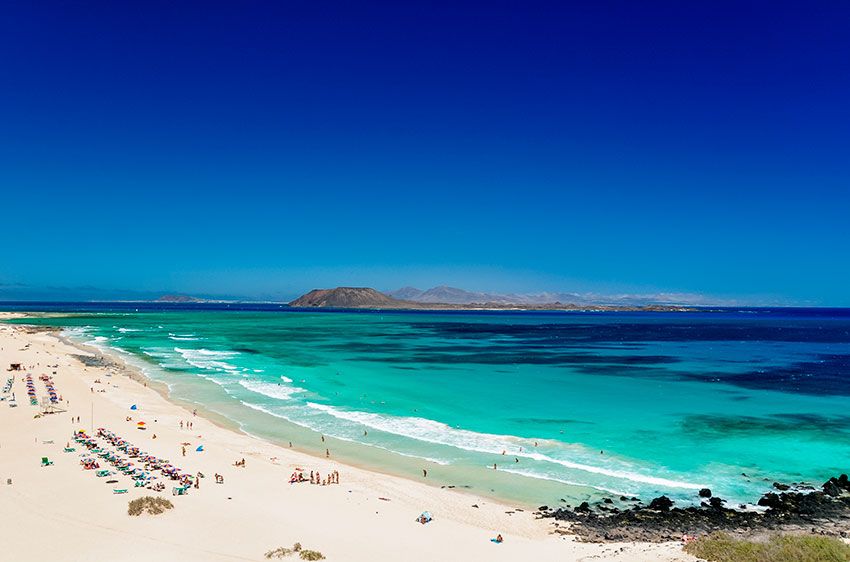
<point>265,410</point>
<point>271,390</point>
<point>540,476</point>
<point>208,359</point>
<point>432,431</point>
<point>125,330</point>
<point>179,338</point>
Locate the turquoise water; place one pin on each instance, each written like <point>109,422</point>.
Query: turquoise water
<point>588,404</point>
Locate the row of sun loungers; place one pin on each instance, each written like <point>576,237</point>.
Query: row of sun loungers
<point>51,390</point>
<point>31,390</point>
<point>7,388</point>
<point>142,475</point>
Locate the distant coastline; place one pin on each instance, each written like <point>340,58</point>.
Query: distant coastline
<point>365,297</point>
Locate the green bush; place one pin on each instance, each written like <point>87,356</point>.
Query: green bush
<point>720,547</point>
<point>148,504</point>
<point>311,555</point>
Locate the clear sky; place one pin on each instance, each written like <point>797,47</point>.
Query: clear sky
<point>261,149</point>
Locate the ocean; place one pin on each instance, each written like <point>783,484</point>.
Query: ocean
<point>568,406</point>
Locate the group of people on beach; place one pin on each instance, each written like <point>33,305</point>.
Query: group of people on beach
<point>315,477</point>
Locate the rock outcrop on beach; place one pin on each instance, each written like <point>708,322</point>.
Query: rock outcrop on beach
<point>825,511</point>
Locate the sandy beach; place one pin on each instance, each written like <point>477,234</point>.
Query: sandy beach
<point>65,511</point>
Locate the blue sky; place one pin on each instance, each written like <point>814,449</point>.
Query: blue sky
<point>263,149</point>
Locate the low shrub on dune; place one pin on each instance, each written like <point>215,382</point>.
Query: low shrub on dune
<point>304,554</point>
<point>148,504</point>
<point>721,547</point>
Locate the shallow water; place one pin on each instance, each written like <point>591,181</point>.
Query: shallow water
<point>580,404</point>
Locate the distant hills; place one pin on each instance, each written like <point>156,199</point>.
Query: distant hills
<point>180,299</point>
<point>453,295</point>
<point>442,298</point>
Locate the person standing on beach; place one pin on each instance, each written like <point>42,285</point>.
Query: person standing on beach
<point>424,473</point>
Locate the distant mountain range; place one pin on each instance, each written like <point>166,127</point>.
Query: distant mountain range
<point>453,295</point>
<point>365,297</point>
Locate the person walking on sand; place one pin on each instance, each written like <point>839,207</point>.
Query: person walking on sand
<point>327,453</point>
<point>184,450</point>
<point>424,473</point>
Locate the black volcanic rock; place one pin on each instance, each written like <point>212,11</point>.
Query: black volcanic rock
<point>832,489</point>
<point>788,511</point>
<point>705,493</point>
<point>661,503</point>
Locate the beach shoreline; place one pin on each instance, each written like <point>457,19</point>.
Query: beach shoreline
<point>505,485</point>
<point>349,521</point>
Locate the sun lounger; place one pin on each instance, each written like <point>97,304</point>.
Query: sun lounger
<point>70,449</point>
<point>45,461</point>
<point>119,491</point>
<point>180,491</point>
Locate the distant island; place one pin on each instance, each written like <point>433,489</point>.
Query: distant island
<point>179,299</point>
<point>368,298</point>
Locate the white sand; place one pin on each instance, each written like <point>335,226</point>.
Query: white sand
<point>63,512</point>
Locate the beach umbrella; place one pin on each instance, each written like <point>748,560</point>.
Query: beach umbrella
<point>133,407</point>
<point>200,448</point>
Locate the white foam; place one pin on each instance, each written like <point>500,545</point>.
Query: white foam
<point>540,476</point>
<point>341,438</point>
<point>125,330</point>
<point>269,412</point>
<point>435,432</point>
<point>207,359</point>
<point>271,390</point>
